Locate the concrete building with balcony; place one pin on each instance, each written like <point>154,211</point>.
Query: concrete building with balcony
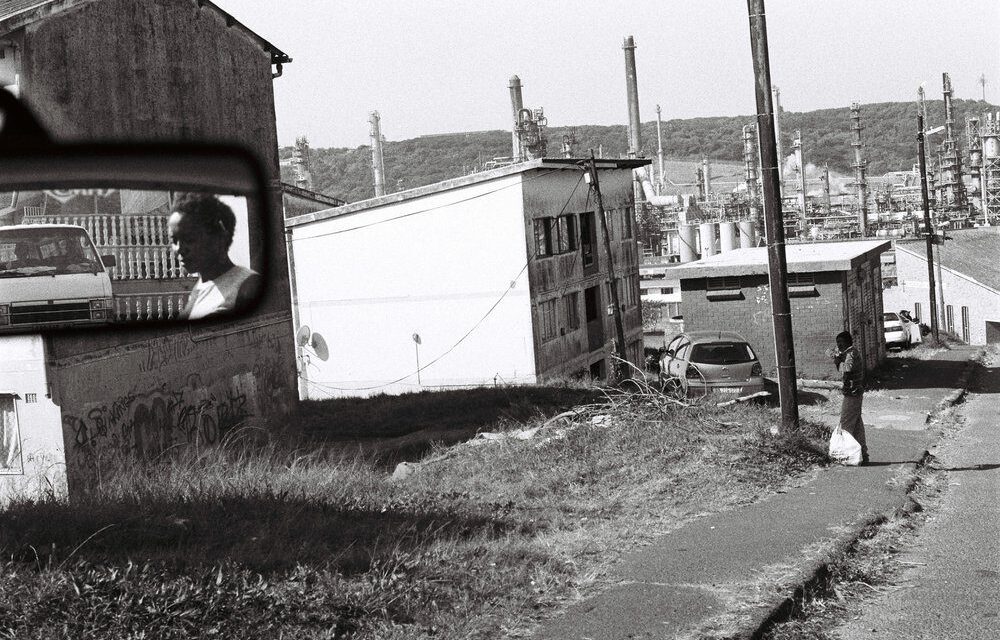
<point>832,287</point>
<point>499,277</point>
<point>967,283</point>
<point>128,71</point>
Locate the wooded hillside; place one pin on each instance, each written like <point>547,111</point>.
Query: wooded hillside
<point>889,137</point>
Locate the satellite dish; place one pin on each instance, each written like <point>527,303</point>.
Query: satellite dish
<point>319,346</point>
<point>302,335</point>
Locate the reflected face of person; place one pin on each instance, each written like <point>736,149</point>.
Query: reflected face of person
<point>200,248</point>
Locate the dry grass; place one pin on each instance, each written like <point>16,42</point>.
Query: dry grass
<point>258,541</point>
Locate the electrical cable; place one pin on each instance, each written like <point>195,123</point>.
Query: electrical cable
<point>531,257</point>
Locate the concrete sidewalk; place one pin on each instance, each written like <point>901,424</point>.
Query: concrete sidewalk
<point>687,578</point>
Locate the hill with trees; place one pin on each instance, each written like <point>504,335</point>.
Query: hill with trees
<point>889,138</point>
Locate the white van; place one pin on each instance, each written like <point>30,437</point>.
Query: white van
<point>51,275</point>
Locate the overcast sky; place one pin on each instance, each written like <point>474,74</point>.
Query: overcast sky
<point>437,66</point>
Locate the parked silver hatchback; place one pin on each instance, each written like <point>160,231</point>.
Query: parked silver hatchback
<point>697,363</point>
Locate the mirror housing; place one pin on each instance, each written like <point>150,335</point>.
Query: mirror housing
<point>89,234</point>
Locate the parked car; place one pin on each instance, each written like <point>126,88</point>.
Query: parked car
<point>697,363</point>
<point>52,277</point>
<point>897,334</point>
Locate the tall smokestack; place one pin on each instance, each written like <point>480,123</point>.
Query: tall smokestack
<point>949,116</point>
<point>797,149</point>
<point>706,175</point>
<point>777,140</point>
<point>859,169</point>
<point>300,163</point>
<point>516,104</point>
<point>378,162</point>
<point>632,87</point>
<point>750,161</point>
<point>659,149</point>
<point>952,186</point>
<point>826,189</point>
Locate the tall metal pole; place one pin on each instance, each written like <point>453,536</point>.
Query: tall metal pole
<point>928,231</point>
<point>516,104</point>
<point>774,224</point>
<point>632,89</point>
<point>777,138</point>
<point>378,161</point>
<point>659,148</point>
<point>621,369</point>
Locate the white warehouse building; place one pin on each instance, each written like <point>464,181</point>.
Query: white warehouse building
<point>499,277</point>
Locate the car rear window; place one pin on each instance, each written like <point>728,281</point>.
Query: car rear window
<point>722,353</point>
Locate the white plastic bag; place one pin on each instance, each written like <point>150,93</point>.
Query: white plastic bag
<point>844,448</point>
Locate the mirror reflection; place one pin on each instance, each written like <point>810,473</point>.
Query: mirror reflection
<point>104,256</point>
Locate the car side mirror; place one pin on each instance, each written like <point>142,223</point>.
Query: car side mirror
<point>118,235</point>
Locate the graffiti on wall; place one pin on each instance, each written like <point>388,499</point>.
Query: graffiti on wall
<point>146,424</point>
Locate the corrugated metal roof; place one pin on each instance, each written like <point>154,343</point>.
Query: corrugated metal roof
<point>971,252</point>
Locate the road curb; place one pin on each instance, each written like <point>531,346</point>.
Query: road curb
<point>812,577</point>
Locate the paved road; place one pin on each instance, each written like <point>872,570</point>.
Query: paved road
<point>951,589</point>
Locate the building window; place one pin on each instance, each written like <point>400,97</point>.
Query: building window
<point>567,233</point>
<point>801,285</point>
<point>30,398</point>
<point>950,318</point>
<point>547,311</point>
<point>666,291</point>
<point>965,324</point>
<point>555,235</point>
<point>10,437</point>
<point>588,238</point>
<point>572,310</point>
<point>543,237</point>
<point>724,288</point>
<point>723,283</point>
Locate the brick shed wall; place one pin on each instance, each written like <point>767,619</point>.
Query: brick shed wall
<point>816,319</point>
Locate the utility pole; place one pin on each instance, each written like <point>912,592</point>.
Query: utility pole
<point>621,371</point>
<point>774,225</point>
<point>928,231</point>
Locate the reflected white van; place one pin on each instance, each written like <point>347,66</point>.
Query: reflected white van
<point>51,275</point>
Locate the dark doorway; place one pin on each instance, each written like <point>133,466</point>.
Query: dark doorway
<point>595,320</point>
<point>597,370</point>
<point>588,242</point>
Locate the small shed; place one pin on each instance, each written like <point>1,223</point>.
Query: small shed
<point>832,287</point>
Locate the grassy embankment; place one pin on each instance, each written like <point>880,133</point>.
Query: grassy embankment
<point>268,541</point>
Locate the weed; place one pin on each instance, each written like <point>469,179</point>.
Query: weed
<point>264,540</point>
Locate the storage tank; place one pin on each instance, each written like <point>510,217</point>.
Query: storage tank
<point>748,234</point>
<point>728,239</point>
<point>708,245</point>
<point>687,235</point>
